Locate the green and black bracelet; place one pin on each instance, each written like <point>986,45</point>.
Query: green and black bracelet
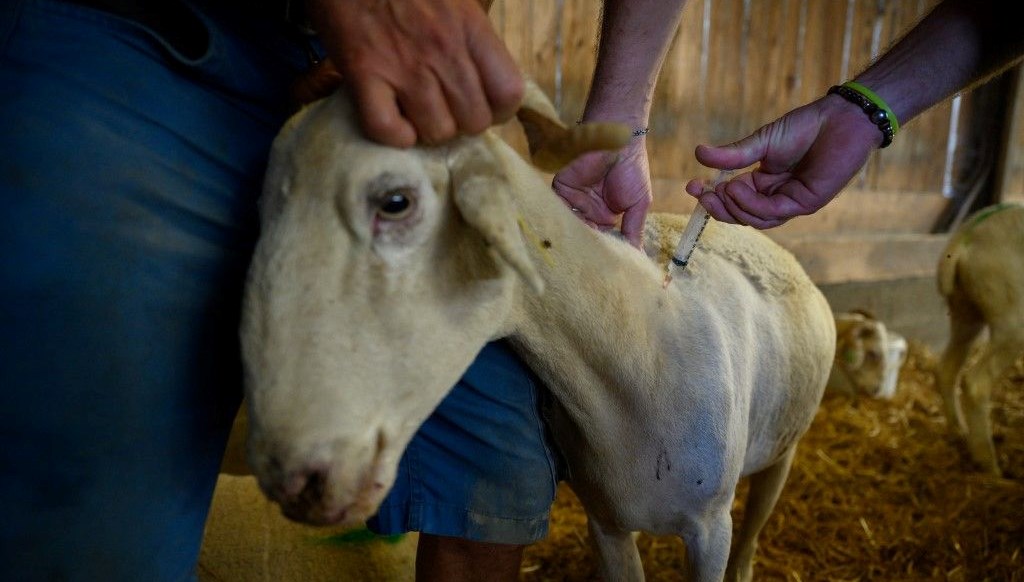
<point>878,112</point>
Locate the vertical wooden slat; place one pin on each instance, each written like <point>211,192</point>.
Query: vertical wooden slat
<point>580,23</point>
<point>1009,181</point>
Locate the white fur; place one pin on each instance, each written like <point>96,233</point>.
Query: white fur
<point>981,277</point>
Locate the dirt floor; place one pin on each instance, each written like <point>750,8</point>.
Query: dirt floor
<point>880,490</point>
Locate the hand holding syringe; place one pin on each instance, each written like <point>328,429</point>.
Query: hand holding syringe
<point>691,234</point>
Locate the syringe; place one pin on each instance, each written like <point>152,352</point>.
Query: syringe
<point>691,233</point>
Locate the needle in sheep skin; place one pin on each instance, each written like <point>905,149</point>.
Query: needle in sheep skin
<point>691,233</point>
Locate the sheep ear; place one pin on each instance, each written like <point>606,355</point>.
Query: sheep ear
<point>864,313</point>
<point>551,144</point>
<point>852,345</point>
<point>482,193</point>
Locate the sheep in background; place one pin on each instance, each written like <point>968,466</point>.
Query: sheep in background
<point>868,356</point>
<point>981,277</point>
<point>381,272</point>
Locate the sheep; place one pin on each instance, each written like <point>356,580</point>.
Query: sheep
<point>868,356</point>
<point>380,273</point>
<point>981,277</point>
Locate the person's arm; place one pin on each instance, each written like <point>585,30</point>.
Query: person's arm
<point>635,37</point>
<point>419,70</point>
<point>807,156</point>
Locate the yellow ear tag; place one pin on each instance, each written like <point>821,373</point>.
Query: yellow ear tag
<point>536,241</point>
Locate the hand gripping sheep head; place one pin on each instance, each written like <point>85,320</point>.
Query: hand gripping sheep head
<point>378,276</point>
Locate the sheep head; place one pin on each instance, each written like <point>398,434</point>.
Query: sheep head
<point>378,276</point>
<point>868,355</point>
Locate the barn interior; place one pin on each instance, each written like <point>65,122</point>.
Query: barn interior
<point>880,489</point>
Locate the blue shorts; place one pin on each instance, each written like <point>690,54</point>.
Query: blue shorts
<point>128,179</point>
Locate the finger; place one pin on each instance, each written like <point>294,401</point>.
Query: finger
<point>770,205</point>
<point>499,74</point>
<point>740,154</point>
<point>575,201</point>
<point>590,209</point>
<point>696,187</point>
<point>382,120</point>
<point>712,202</point>
<point>600,223</point>
<point>466,99</point>
<point>428,110</point>
<point>633,222</point>
<point>737,190</point>
<point>575,182</point>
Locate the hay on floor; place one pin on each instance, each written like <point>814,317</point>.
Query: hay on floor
<point>880,490</point>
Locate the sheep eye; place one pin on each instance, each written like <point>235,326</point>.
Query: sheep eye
<point>395,204</point>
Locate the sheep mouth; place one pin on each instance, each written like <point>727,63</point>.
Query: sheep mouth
<point>313,504</point>
<point>318,495</point>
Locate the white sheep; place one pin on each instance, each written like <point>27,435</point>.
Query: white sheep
<point>981,277</point>
<point>380,273</point>
<point>868,356</point>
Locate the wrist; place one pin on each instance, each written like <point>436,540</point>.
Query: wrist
<point>856,127</point>
<point>873,107</point>
<point>626,110</point>
<point>638,131</point>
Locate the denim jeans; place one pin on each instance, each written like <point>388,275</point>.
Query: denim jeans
<point>129,173</point>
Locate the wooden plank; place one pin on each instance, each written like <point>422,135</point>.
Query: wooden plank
<point>580,28</point>
<point>1009,179</point>
<point>680,97</point>
<point>845,258</point>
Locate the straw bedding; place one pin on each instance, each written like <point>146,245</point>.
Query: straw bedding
<point>880,490</point>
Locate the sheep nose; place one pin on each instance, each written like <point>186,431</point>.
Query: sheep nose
<point>306,487</point>
<point>301,495</point>
<point>284,486</point>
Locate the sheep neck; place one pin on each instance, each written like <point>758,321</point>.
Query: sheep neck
<point>592,335</point>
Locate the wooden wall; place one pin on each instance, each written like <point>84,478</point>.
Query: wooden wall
<point>738,64</point>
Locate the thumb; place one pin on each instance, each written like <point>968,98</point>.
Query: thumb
<point>632,226</point>
<point>733,156</point>
<point>588,169</point>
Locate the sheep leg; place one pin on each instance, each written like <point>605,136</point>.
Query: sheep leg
<point>707,547</point>
<point>1000,353</point>
<point>618,556</point>
<point>965,323</point>
<point>765,488</point>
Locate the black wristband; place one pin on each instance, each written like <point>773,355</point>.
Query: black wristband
<point>875,114</point>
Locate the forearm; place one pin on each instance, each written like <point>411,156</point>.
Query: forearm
<point>635,37</point>
<point>956,46</point>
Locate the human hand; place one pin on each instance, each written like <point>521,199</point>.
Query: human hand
<point>805,159</point>
<point>599,186</point>
<point>420,70</point>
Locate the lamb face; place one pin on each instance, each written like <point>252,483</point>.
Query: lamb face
<point>367,299</point>
<point>868,356</point>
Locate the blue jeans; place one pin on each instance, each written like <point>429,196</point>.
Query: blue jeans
<point>128,175</point>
